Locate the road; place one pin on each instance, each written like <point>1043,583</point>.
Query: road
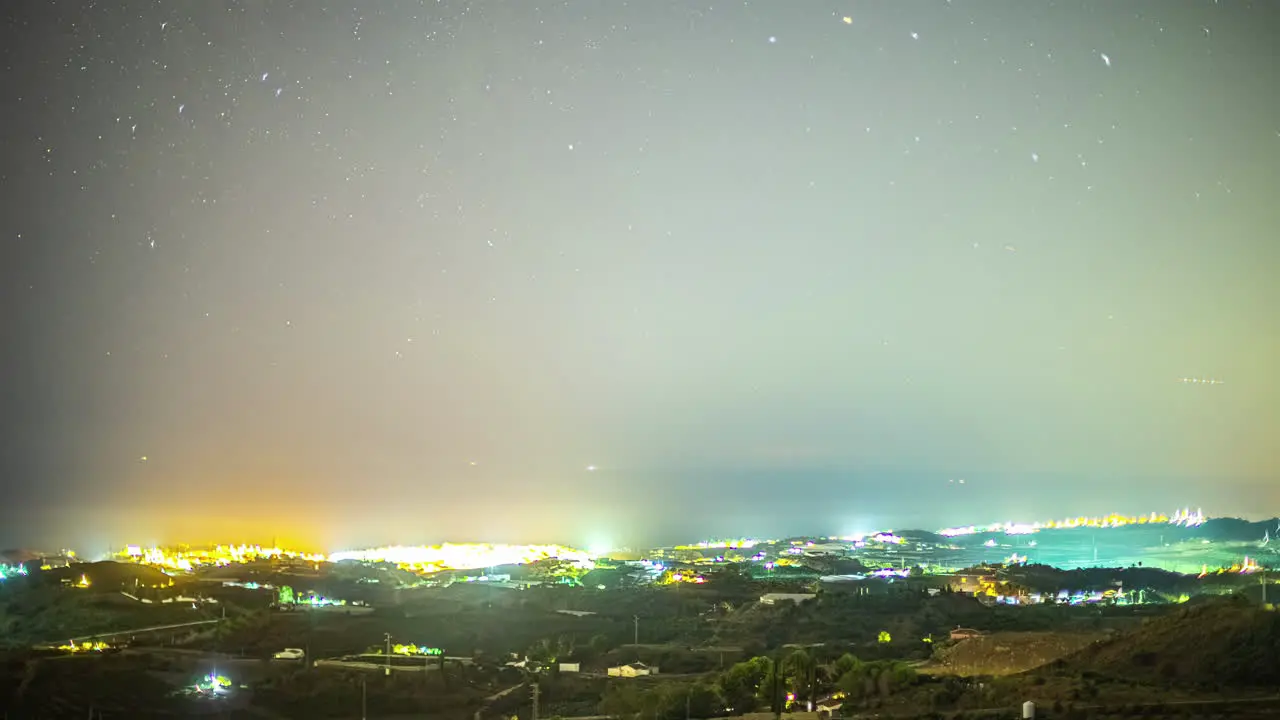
<point>489,701</point>
<point>144,631</point>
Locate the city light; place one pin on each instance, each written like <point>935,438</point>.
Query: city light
<point>449,556</point>
<point>189,559</point>
<point>412,650</point>
<point>422,559</point>
<point>744,544</point>
<point>425,560</point>
<point>84,647</point>
<point>1183,518</point>
<point>213,683</point>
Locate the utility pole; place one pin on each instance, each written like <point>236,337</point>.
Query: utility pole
<point>364,698</point>
<point>387,636</point>
<point>636,619</point>
<point>536,690</point>
<point>688,695</point>
<point>776,688</point>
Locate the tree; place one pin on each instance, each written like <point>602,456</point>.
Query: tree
<point>883,678</point>
<point>857,683</point>
<point>550,650</point>
<point>601,644</point>
<point>702,701</point>
<point>841,666</point>
<point>672,702</point>
<point>776,684</point>
<point>609,578</point>
<point>555,570</point>
<point>742,684</point>
<point>621,700</point>
<point>801,673</point>
<point>731,577</point>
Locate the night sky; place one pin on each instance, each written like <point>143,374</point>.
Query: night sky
<point>607,272</point>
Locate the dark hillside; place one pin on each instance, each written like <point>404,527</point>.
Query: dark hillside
<point>1218,642</point>
<point>107,575</point>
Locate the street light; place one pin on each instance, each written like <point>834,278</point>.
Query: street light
<point>387,636</point>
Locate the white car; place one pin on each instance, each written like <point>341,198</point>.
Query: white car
<point>289,654</point>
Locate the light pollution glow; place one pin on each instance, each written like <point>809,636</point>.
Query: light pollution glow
<point>461,556</point>
<point>421,559</point>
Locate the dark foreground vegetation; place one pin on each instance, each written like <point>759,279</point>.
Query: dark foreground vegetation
<point>882,648</point>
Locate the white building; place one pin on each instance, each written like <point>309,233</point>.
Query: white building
<point>960,633</point>
<point>636,669</point>
<point>779,598</point>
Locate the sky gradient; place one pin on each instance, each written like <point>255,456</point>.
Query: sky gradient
<point>632,272</point>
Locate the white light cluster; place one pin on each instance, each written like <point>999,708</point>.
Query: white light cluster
<point>462,557</point>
